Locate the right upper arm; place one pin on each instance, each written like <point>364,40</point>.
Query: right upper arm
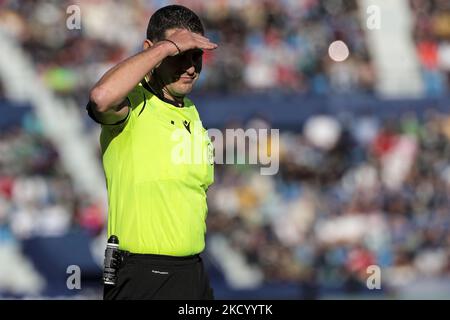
<point>111,116</point>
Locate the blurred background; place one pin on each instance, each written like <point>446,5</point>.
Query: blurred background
<point>358,88</point>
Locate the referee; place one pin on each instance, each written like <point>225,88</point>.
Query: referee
<point>157,207</point>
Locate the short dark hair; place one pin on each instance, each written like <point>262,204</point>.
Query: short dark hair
<point>171,17</point>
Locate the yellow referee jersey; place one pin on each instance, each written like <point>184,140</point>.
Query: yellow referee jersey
<point>158,166</point>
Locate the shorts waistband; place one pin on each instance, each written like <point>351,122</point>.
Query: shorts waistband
<point>141,257</point>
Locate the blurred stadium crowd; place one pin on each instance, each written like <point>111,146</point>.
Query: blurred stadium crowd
<point>37,199</point>
<point>351,192</point>
<point>264,44</point>
<point>36,186</point>
<point>432,38</point>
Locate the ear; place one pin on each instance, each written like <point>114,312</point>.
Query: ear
<point>147,44</point>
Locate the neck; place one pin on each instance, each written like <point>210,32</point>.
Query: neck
<point>162,92</point>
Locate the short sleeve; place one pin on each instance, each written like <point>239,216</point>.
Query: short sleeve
<point>137,101</point>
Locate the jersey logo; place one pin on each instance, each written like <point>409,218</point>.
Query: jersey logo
<point>160,272</point>
<point>187,125</point>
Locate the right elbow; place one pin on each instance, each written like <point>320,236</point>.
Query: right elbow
<point>99,98</point>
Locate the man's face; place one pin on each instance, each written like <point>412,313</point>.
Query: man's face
<point>179,73</point>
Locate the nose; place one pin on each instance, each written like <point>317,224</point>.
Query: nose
<point>191,70</point>
<point>189,64</point>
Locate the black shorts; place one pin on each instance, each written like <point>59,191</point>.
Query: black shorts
<point>153,277</point>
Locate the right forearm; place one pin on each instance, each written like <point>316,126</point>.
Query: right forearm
<point>115,84</point>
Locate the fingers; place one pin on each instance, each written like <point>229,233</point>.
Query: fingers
<point>201,38</point>
<point>204,43</point>
<point>192,40</point>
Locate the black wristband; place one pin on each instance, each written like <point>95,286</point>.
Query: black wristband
<point>179,51</point>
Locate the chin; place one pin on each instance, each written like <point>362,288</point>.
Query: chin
<point>183,90</point>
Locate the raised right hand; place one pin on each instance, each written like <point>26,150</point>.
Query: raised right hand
<point>186,40</point>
